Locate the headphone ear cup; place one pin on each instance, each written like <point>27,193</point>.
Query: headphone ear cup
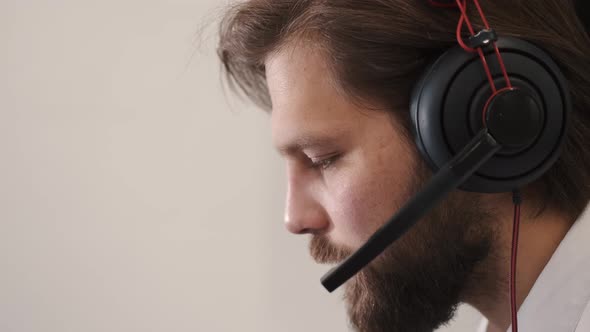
<point>447,104</point>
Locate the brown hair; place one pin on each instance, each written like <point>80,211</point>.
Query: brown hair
<point>377,49</point>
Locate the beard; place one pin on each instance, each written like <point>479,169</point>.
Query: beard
<point>416,284</point>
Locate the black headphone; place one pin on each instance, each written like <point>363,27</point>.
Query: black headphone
<point>583,12</point>
<point>529,120</point>
<point>488,130</point>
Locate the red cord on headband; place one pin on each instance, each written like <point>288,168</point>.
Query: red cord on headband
<point>462,4</point>
<point>464,19</point>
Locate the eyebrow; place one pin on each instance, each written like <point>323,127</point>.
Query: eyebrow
<point>306,142</point>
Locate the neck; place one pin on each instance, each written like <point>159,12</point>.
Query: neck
<point>539,237</point>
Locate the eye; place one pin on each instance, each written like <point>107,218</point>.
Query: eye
<point>324,163</point>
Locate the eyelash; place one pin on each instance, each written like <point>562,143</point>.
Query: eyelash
<point>324,164</point>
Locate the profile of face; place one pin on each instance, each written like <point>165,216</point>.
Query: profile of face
<point>349,168</point>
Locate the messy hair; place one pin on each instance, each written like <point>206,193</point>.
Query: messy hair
<point>377,49</point>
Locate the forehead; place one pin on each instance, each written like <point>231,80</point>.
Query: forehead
<point>305,101</point>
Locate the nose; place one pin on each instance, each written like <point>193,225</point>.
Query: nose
<point>304,213</point>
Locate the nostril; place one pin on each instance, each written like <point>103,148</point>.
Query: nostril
<point>298,229</point>
<point>305,231</point>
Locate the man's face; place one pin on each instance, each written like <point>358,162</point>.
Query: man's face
<point>349,168</point>
<point>364,167</point>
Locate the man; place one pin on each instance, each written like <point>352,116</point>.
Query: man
<point>336,77</point>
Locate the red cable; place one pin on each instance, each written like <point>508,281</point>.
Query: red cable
<point>463,9</point>
<point>485,108</point>
<point>465,18</point>
<point>502,67</point>
<point>516,194</point>
<point>500,60</point>
<point>515,228</point>
<point>483,17</point>
<point>486,67</point>
<point>460,39</point>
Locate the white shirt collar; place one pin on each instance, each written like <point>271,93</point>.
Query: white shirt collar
<point>558,298</point>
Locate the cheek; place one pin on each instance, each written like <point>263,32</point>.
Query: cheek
<point>350,213</point>
<point>364,199</point>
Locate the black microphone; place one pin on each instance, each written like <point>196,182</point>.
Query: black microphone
<point>479,150</point>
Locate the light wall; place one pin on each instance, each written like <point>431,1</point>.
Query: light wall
<point>135,195</point>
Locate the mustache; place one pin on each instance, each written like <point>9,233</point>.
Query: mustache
<point>324,252</point>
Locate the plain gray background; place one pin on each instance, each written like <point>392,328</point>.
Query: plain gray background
<point>134,194</point>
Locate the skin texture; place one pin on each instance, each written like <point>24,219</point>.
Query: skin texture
<point>349,168</point>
